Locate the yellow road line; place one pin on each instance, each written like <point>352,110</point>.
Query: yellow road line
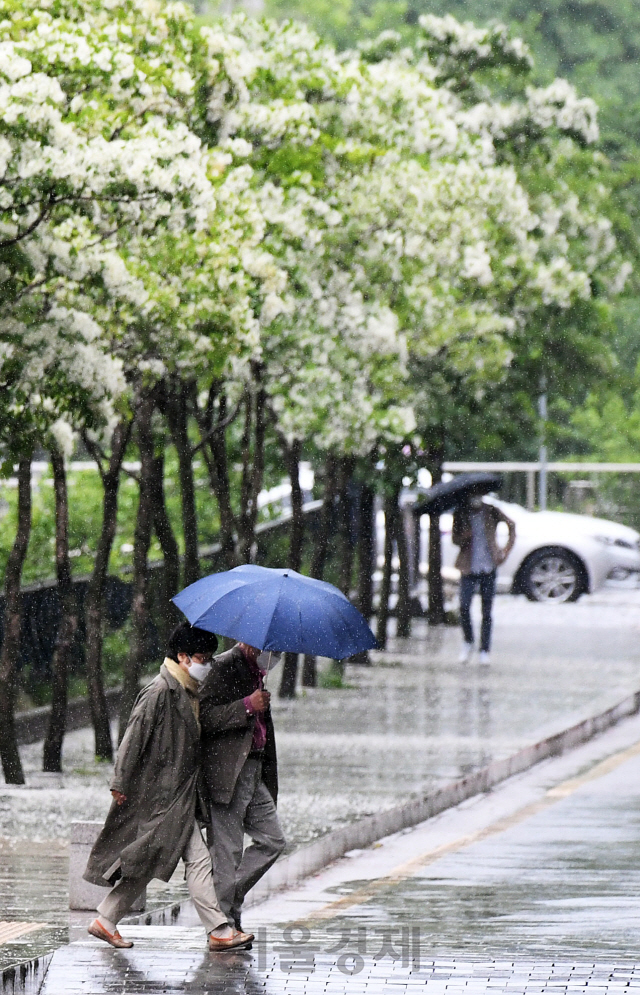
<point>410,867</point>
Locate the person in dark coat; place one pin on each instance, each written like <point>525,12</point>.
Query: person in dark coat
<point>157,798</point>
<point>474,530</point>
<point>241,774</point>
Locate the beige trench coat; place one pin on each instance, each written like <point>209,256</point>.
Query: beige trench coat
<point>157,768</point>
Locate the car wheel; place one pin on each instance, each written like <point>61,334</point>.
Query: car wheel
<point>552,576</point>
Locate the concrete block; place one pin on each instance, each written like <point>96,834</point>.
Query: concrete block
<point>82,894</point>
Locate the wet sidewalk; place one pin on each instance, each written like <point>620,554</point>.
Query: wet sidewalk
<point>416,719</point>
<point>530,889</point>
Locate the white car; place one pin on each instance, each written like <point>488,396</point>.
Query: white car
<point>556,556</point>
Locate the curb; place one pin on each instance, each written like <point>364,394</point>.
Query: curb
<point>27,978</point>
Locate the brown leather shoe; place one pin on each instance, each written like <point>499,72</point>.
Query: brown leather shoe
<point>239,939</point>
<point>97,929</point>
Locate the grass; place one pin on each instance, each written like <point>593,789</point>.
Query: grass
<point>333,678</point>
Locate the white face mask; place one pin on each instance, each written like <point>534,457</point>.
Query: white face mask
<point>265,663</point>
<point>198,670</point>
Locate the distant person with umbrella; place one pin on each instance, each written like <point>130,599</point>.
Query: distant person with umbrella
<point>475,524</point>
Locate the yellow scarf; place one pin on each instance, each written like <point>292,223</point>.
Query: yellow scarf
<point>188,683</point>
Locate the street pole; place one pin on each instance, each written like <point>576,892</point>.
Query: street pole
<point>531,490</point>
<point>542,412</point>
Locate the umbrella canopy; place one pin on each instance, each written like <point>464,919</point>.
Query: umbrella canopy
<point>449,494</point>
<point>278,610</point>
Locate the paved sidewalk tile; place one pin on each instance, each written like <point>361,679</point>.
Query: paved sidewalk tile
<point>161,964</point>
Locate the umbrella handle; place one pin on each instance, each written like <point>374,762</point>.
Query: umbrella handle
<point>264,680</point>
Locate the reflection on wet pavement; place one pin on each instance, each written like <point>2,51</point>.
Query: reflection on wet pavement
<point>402,964</point>
<point>562,884</point>
<point>91,969</point>
<point>33,886</point>
<point>547,873</point>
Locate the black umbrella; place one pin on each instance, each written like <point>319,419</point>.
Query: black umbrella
<point>449,494</point>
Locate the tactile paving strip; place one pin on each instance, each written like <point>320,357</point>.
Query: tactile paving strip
<point>12,930</point>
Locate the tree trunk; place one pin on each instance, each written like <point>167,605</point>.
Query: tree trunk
<point>390,512</point>
<point>436,593</point>
<point>142,541</point>
<point>366,551</point>
<point>296,537</point>
<point>309,671</point>
<point>344,526</point>
<point>218,466</point>
<point>289,676</point>
<point>178,416</point>
<point>321,548</point>
<point>319,558</point>
<point>366,566</point>
<point>11,763</point>
<point>169,614</point>
<point>403,608</point>
<point>244,539</point>
<point>214,452</point>
<point>252,464</point>
<point>296,534</point>
<point>52,752</point>
<point>94,603</point>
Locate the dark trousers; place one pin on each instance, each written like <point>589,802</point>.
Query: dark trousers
<point>468,585</point>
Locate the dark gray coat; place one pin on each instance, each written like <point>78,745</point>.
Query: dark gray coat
<point>227,730</point>
<point>157,769</point>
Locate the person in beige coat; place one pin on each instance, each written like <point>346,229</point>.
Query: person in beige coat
<point>158,799</point>
<point>475,524</point>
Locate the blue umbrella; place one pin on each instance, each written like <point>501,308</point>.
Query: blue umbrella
<point>278,610</point>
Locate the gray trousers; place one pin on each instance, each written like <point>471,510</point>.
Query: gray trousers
<point>251,811</point>
<point>197,866</point>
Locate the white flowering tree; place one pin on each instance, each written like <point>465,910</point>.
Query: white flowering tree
<point>532,293</point>
<point>217,234</point>
<point>89,161</point>
<point>469,222</point>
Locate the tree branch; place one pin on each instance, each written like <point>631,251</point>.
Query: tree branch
<point>31,228</point>
<point>218,427</point>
